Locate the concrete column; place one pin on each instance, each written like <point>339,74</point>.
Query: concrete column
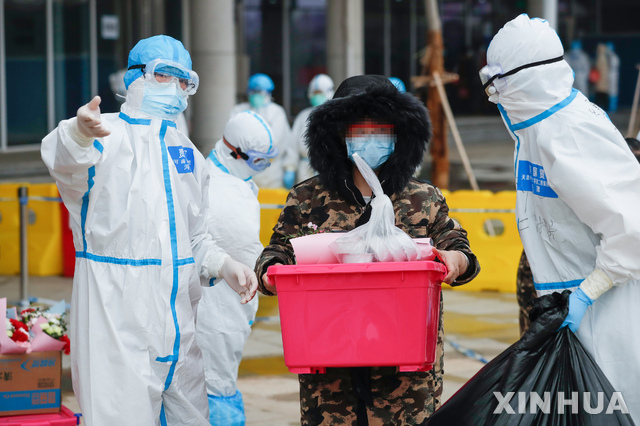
<point>214,59</point>
<point>545,9</point>
<point>345,39</point>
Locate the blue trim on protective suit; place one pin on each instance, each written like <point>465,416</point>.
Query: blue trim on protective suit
<point>174,248</point>
<point>97,145</point>
<point>117,260</point>
<point>214,158</point>
<point>167,358</point>
<point>84,254</point>
<point>130,262</point>
<point>538,118</point>
<point>263,125</point>
<point>163,416</point>
<point>503,112</point>
<point>213,155</point>
<point>530,122</point>
<point>85,205</point>
<point>141,121</point>
<point>560,285</point>
<point>187,261</point>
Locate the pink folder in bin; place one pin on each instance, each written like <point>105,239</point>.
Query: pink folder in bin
<point>359,314</point>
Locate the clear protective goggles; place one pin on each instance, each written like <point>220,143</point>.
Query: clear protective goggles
<point>255,159</point>
<point>487,75</point>
<point>165,71</point>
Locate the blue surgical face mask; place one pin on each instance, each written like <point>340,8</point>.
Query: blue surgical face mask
<point>163,100</point>
<point>374,149</point>
<point>258,100</point>
<point>318,99</point>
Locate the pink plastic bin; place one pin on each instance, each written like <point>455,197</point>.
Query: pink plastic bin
<point>359,314</point>
<point>65,417</point>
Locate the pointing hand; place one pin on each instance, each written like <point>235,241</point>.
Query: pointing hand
<point>89,121</point>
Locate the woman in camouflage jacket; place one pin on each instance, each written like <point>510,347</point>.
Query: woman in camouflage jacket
<point>338,199</point>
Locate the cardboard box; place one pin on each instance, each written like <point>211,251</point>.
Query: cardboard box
<point>30,383</point>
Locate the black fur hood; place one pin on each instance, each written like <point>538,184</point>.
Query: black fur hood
<point>375,97</point>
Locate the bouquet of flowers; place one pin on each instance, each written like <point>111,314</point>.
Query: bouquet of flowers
<point>33,330</point>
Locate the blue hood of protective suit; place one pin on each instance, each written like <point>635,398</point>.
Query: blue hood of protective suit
<point>156,47</point>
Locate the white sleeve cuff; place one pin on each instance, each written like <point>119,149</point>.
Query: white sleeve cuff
<point>215,263</point>
<point>596,284</point>
<point>76,135</point>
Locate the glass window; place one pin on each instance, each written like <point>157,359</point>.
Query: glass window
<point>308,49</point>
<point>26,71</point>
<point>71,47</point>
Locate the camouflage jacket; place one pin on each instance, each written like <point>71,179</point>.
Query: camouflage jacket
<point>382,394</point>
<point>421,211</point>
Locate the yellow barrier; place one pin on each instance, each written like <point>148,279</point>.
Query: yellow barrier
<point>10,229</point>
<point>271,204</point>
<point>44,233</point>
<point>498,254</point>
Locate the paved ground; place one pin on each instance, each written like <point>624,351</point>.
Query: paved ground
<point>485,323</point>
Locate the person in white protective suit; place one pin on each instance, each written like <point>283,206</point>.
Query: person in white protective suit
<point>319,91</point>
<point>223,325</point>
<point>283,169</point>
<point>577,198</point>
<point>579,62</point>
<point>136,190</point>
<point>614,76</point>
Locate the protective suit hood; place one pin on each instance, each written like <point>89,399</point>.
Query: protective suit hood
<point>247,131</point>
<point>144,52</point>
<point>156,47</point>
<point>133,100</point>
<point>533,90</point>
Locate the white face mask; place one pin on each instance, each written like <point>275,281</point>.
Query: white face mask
<point>163,100</point>
<point>374,149</point>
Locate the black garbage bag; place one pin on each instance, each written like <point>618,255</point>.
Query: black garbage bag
<point>545,378</point>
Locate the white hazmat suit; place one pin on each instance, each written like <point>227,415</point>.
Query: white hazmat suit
<point>578,195</point>
<point>234,217</point>
<point>135,188</point>
<point>320,90</point>
<point>614,76</point>
<point>276,117</point>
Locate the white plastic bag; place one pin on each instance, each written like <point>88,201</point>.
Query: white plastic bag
<point>378,240</point>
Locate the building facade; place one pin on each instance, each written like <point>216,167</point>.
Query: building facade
<point>56,54</point>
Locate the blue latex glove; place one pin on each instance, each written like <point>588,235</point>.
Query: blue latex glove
<point>289,178</point>
<point>578,304</point>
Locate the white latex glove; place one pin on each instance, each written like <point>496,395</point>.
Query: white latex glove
<point>89,122</point>
<point>240,278</point>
